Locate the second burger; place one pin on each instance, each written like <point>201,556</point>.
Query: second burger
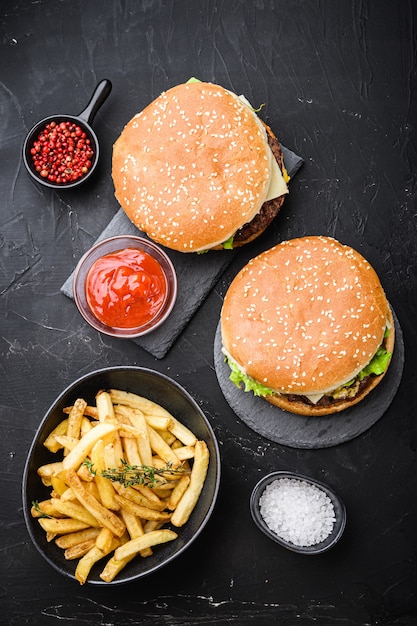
<point>307,326</point>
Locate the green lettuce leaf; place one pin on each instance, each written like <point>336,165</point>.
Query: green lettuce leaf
<point>377,365</point>
<point>239,378</point>
<point>228,244</point>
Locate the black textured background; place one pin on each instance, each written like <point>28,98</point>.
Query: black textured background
<point>338,79</point>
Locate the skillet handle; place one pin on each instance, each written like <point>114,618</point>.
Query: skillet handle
<point>98,98</point>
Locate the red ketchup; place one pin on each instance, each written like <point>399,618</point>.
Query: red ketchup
<point>126,288</point>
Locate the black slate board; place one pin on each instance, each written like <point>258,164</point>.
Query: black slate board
<point>298,431</point>
<point>196,274</point>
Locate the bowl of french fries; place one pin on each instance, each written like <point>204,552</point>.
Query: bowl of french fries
<point>122,476</point>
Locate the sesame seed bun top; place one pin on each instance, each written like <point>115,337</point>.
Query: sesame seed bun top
<point>305,316</point>
<point>192,167</point>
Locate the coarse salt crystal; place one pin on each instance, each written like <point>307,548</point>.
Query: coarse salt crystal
<point>297,511</point>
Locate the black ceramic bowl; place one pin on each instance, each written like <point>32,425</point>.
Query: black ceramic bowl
<point>318,548</point>
<point>178,402</point>
<point>84,121</point>
<point>111,245</point>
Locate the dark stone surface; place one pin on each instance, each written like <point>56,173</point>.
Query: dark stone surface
<point>338,81</point>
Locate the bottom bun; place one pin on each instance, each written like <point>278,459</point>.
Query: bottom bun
<point>300,407</point>
<point>296,404</point>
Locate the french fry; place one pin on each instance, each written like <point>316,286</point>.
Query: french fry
<point>132,494</point>
<point>154,500</point>
<point>135,529</point>
<point>133,523</point>
<point>86,426</point>
<point>121,413</point>
<point>51,442</point>
<point>138,420</point>
<point>85,474</point>
<point>184,452</point>
<point>58,484</point>
<point>150,408</point>
<point>104,486</point>
<point>89,411</point>
<point>113,567</point>
<point>152,524</point>
<point>79,549</point>
<point>129,431</point>
<point>73,539</point>
<point>65,441</point>
<point>68,495</point>
<point>117,450</point>
<point>104,540</point>
<point>166,435</point>
<point>160,422</point>
<point>136,402</point>
<point>75,510</point>
<point>164,491</point>
<point>147,540</point>
<point>198,475</point>
<point>75,418</point>
<point>91,487</point>
<point>162,449</point>
<point>46,472</point>
<point>104,406</point>
<point>131,452</point>
<point>144,512</point>
<point>110,458</point>
<point>177,493</point>
<point>77,455</point>
<point>61,526</point>
<point>43,508</point>
<point>107,518</point>
<point>184,434</point>
<point>85,564</point>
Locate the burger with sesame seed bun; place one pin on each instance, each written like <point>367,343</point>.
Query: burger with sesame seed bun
<point>197,169</point>
<point>307,326</point>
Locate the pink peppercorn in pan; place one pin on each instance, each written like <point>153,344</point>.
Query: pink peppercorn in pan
<point>51,142</point>
<point>62,151</point>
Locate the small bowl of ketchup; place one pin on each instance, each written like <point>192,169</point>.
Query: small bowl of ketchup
<point>125,286</point>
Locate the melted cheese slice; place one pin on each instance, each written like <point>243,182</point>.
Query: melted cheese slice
<point>314,397</point>
<point>277,185</point>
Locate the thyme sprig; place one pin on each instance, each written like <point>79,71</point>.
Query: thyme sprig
<point>130,475</point>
